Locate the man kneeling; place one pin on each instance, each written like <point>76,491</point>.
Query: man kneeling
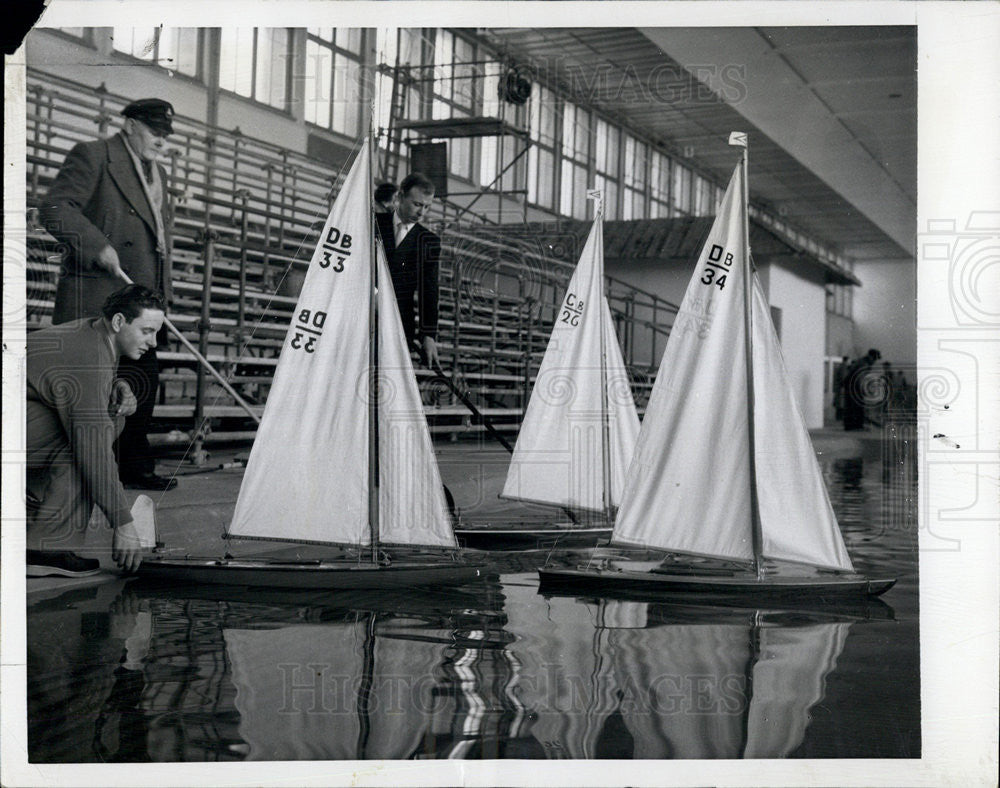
<point>75,410</point>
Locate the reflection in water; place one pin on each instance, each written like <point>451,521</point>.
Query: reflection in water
<point>170,676</point>
<point>729,684</point>
<point>128,672</point>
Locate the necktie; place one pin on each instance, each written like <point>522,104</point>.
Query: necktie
<point>401,230</point>
<point>147,169</point>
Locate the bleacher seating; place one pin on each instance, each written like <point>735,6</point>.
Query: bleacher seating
<point>254,209</point>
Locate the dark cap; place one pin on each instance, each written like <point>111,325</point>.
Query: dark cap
<point>155,113</point>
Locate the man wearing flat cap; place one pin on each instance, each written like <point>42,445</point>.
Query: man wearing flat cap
<point>108,206</point>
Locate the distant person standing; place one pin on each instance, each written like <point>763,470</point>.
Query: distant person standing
<point>839,373</point>
<point>854,390</point>
<point>413,252</point>
<point>75,408</point>
<point>108,205</point>
<point>385,198</point>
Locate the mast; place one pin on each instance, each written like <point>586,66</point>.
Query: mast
<point>373,390</point>
<point>758,536</point>
<point>598,196</point>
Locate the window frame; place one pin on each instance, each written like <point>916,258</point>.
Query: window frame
<point>329,47</point>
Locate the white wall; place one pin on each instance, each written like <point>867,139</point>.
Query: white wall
<point>802,301</point>
<point>67,58</point>
<point>801,298</point>
<point>668,281</point>
<point>885,309</point>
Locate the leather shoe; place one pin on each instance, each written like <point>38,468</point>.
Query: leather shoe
<point>41,563</point>
<point>149,481</point>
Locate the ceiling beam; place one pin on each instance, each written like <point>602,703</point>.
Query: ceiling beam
<point>779,103</point>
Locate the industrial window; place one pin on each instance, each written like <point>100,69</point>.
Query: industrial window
<point>606,149</point>
<point>456,81</point>
<point>333,95</point>
<point>172,48</point>
<point>680,189</point>
<point>635,177</point>
<point>575,151</point>
<point>455,85</point>
<point>454,93</point>
<point>703,193</point>
<point>497,153</point>
<point>402,47</point>
<point>542,118</point>
<point>541,176</point>
<point>255,62</point>
<point>659,186</point>
<point>840,300</point>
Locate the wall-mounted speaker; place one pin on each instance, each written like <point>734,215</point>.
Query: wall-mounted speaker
<point>514,87</point>
<point>431,158</point>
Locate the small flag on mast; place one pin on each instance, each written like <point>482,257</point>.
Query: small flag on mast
<point>597,196</point>
<point>738,138</point>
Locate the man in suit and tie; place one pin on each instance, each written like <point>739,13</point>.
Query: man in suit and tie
<point>413,253</point>
<point>109,207</point>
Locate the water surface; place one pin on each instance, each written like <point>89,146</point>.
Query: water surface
<point>132,672</point>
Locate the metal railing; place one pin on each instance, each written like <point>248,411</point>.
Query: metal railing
<point>247,214</point>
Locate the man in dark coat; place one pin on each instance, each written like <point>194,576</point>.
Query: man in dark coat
<point>413,253</point>
<point>108,205</point>
<point>857,390</point>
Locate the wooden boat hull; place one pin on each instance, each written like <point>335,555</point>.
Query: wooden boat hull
<point>528,535</point>
<point>319,575</point>
<point>710,587</point>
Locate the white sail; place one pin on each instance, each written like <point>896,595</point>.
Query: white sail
<point>560,455</point>
<point>412,506</point>
<point>688,489</point>
<point>307,476</point>
<point>797,519</point>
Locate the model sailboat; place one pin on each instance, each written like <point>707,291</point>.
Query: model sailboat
<point>343,455</point>
<point>580,427</point>
<point>724,467</point>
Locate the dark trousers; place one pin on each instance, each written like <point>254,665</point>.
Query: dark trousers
<point>132,448</point>
<point>407,315</point>
<point>58,503</point>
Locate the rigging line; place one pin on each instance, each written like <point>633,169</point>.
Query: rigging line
<point>605,404</point>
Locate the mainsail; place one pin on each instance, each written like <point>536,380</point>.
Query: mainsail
<point>689,486</point>
<point>307,478</point>
<point>580,426</point>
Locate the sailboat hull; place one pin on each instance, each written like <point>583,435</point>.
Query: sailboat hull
<point>710,587</point>
<point>318,575</point>
<point>522,535</point>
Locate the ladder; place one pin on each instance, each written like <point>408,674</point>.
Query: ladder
<point>401,80</point>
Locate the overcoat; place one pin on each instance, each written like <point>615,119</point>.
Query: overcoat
<point>96,200</point>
